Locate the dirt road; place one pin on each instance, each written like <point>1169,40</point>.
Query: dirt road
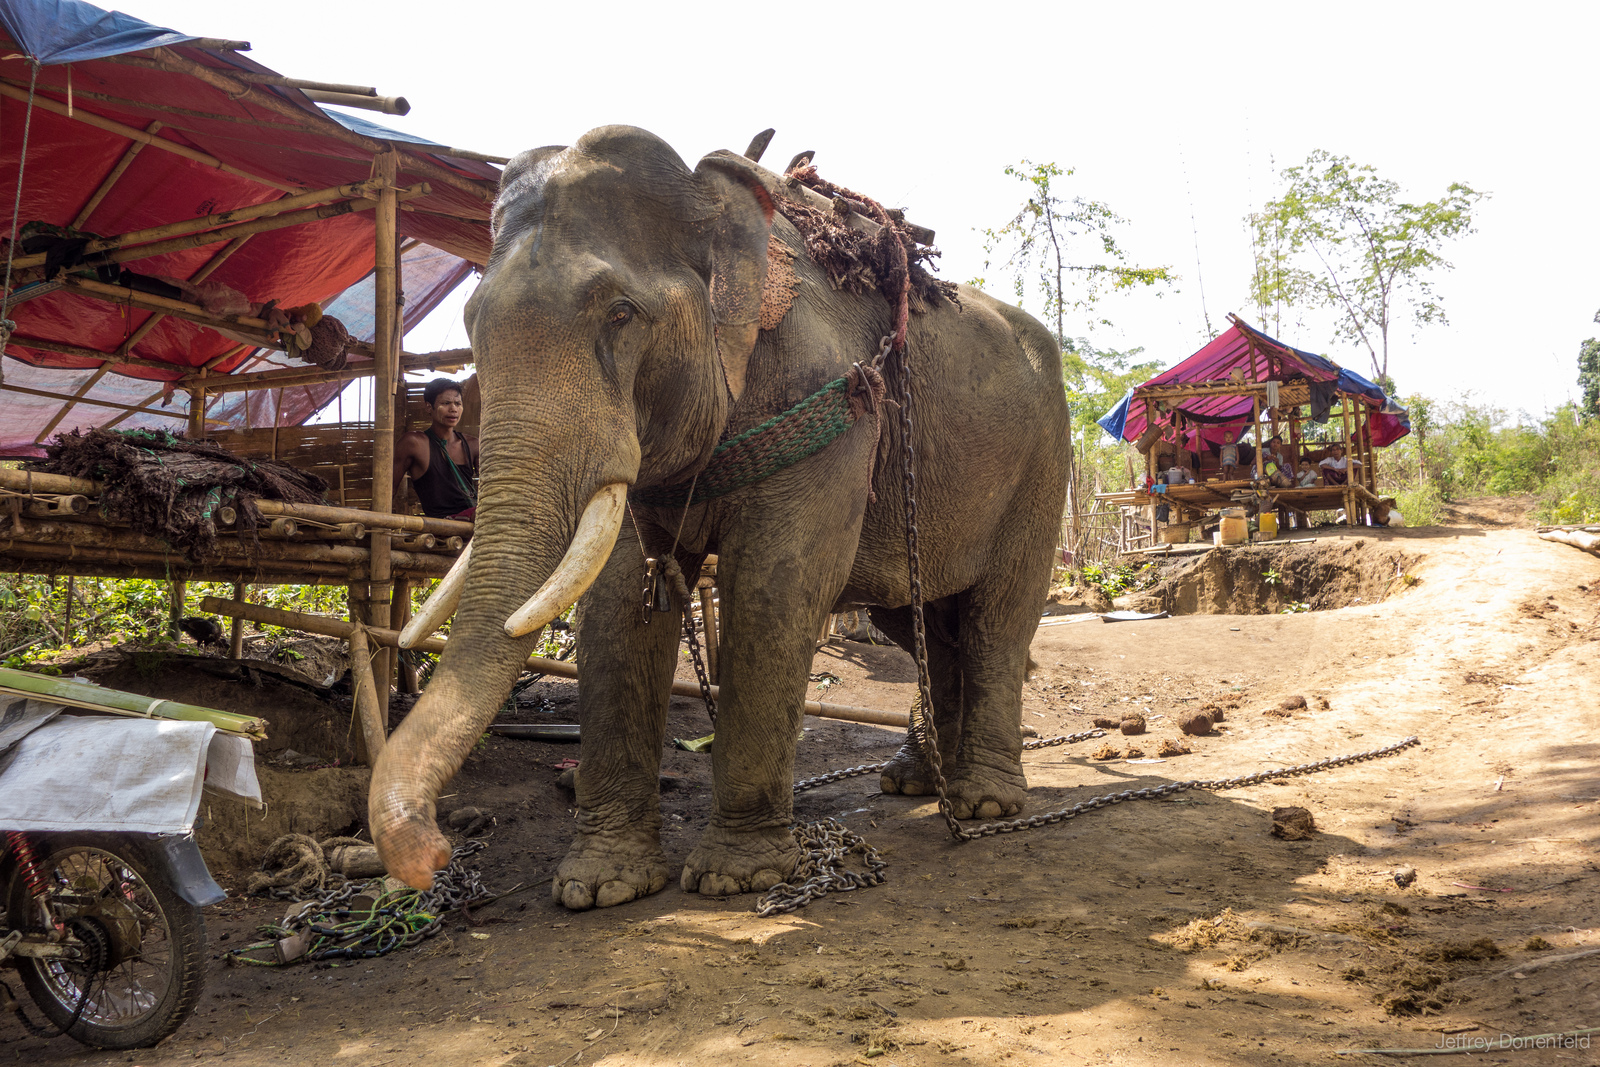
<point>1168,931</point>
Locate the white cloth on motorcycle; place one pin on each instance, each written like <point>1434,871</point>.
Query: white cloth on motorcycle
<point>92,772</point>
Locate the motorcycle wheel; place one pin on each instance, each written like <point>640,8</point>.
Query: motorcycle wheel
<point>145,969</point>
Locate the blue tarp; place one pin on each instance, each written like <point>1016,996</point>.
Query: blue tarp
<point>71,31</point>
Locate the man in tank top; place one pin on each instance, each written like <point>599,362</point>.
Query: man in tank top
<point>442,461</point>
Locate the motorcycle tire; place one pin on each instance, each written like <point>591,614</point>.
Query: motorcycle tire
<point>146,969</point>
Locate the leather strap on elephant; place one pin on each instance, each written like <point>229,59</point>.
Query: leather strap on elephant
<point>782,441</point>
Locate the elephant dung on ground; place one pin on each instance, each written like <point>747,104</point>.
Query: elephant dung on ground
<point>634,314</point>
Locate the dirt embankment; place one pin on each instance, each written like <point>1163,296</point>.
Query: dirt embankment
<point>1269,577</point>
<point>1178,930</point>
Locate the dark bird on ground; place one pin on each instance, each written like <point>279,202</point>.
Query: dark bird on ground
<point>204,631</point>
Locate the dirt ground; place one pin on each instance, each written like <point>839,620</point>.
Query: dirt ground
<point>1169,931</point>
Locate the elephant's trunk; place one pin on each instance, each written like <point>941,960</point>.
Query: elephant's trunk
<point>536,536</point>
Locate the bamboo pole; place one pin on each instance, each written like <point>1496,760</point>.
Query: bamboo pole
<point>318,122</point>
<point>373,732</point>
<point>1580,539</point>
<point>388,105</point>
<point>80,694</point>
<point>236,625</point>
<point>89,118</point>
<point>81,352</point>
<point>68,533</point>
<point>268,223</point>
<point>109,565</point>
<point>287,376</point>
<point>281,206</point>
<point>399,615</point>
<point>257,330</point>
<point>111,180</point>
<point>132,409</point>
<point>1255,414</point>
<point>331,627</point>
<point>66,408</point>
<point>385,354</point>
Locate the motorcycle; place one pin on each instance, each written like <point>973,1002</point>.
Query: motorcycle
<point>101,881</point>
<point>105,932</point>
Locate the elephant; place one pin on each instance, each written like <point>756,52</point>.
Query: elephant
<point>623,326</point>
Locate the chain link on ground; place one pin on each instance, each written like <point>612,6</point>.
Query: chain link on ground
<point>396,918</point>
<point>821,871</point>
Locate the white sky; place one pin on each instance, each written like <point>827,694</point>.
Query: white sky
<point>1174,114</point>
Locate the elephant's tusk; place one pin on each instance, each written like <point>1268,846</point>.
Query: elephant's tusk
<point>590,548</point>
<point>441,605</point>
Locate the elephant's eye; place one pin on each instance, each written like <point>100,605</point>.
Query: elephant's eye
<point>620,315</point>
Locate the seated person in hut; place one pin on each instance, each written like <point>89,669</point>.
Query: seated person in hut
<point>442,461</point>
<point>1279,463</point>
<point>1307,476</point>
<point>1335,467</point>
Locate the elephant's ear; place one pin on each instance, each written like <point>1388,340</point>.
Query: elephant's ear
<point>738,256</point>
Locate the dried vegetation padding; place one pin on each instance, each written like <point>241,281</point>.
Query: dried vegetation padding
<point>1106,751</point>
<point>1107,724</point>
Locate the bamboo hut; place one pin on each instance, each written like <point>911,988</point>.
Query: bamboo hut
<point>174,197</point>
<point>1234,396</point>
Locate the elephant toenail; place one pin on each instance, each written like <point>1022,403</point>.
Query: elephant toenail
<point>764,880</point>
<point>577,897</point>
<point>614,893</point>
<point>989,809</point>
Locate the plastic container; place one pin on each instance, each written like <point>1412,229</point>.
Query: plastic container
<point>1235,528</point>
<point>1267,524</point>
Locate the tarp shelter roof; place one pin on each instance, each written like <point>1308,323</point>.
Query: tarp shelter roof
<point>120,79</point>
<point>1244,353</point>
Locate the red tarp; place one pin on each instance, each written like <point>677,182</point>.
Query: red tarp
<point>67,161</point>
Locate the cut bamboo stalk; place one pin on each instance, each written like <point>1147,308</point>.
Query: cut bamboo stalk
<point>34,482</point>
<point>325,513</point>
<point>388,105</point>
<point>89,118</point>
<point>111,179</point>
<point>77,694</point>
<point>90,536</point>
<point>321,123</point>
<point>331,627</point>
<point>284,205</point>
<point>366,694</point>
<point>301,83</point>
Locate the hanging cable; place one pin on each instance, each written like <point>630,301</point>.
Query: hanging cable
<point>6,325</point>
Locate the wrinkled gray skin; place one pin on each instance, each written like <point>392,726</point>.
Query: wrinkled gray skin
<point>616,317</point>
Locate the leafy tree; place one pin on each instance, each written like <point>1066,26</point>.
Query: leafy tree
<point>1065,253</point>
<point>1042,243</point>
<point>1589,375</point>
<point>1342,237</point>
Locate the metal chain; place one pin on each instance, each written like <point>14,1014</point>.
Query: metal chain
<point>699,667</point>
<point>819,870</point>
<point>867,768</point>
<point>922,725</point>
<point>827,844</point>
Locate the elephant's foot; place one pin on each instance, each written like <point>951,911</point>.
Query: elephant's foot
<point>986,793</point>
<point>727,862</point>
<point>602,871</point>
<point>909,774</point>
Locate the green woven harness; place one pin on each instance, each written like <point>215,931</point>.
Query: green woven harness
<point>763,450</point>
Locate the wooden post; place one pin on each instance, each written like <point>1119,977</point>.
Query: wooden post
<point>176,591</point>
<point>236,628</point>
<point>1255,414</point>
<point>366,696</point>
<point>197,413</point>
<point>1349,491</point>
<point>399,615</point>
<point>708,613</point>
<point>386,354</point>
